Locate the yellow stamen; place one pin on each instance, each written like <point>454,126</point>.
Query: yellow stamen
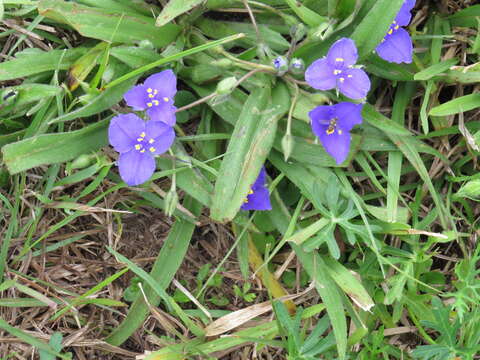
<point>151,141</point>
<point>149,104</point>
<point>340,132</point>
<point>390,32</point>
<point>342,79</point>
<point>149,90</point>
<point>349,76</point>
<point>142,151</point>
<point>152,149</point>
<point>339,59</point>
<point>330,131</point>
<point>151,96</point>
<point>140,139</point>
<point>250,192</point>
<point>138,147</point>
<point>396,27</point>
<point>155,92</point>
<point>155,102</point>
<point>166,99</point>
<point>142,134</point>
<point>336,72</point>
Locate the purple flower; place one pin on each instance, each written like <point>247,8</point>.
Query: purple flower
<point>397,45</point>
<point>332,124</point>
<point>138,142</point>
<point>258,198</point>
<point>336,71</point>
<point>156,96</point>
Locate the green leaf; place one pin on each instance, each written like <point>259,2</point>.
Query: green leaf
<point>108,25</point>
<point>56,344</point>
<point>458,105</point>
<point>431,71</point>
<point>34,61</point>
<point>470,190</point>
<point>373,27</point>
<point>248,148</point>
<point>309,17</point>
<point>175,8</point>
<point>27,95</point>
<point>54,148</point>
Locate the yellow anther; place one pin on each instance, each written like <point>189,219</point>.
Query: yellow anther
<point>342,79</point>
<point>166,99</point>
<point>142,134</point>
<point>151,141</point>
<point>149,90</point>
<point>340,132</point>
<point>396,27</point>
<point>152,149</point>
<point>138,147</point>
<point>140,139</point>
<point>349,75</point>
<point>155,102</point>
<point>336,72</point>
<point>155,92</point>
<point>390,32</point>
<point>250,192</point>
<point>339,59</point>
<point>149,104</point>
<point>330,131</point>
<point>151,96</point>
<point>394,22</point>
<point>142,151</point>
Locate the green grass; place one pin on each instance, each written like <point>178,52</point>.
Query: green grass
<point>380,252</point>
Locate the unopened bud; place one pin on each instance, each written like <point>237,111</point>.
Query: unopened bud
<point>82,161</point>
<point>263,51</point>
<point>297,66</point>
<point>224,63</point>
<point>298,31</point>
<point>280,64</point>
<point>287,145</point>
<point>171,202</point>
<point>226,86</point>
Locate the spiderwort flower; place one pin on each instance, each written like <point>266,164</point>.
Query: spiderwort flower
<point>156,96</point>
<point>336,71</point>
<point>397,45</point>
<point>138,142</point>
<point>258,198</point>
<point>280,63</point>
<point>332,124</point>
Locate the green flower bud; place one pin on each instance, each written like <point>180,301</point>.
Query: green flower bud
<point>287,145</point>
<point>83,161</point>
<point>224,63</point>
<point>297,66</point>
<point>226,86</point>
<point>298,32</point>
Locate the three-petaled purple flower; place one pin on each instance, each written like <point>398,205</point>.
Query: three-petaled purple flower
<point>156,96</point>
<point>332,124</point>
<point>258,198</point>
<point>336,71</point>
<point>397,45</point>
<point>138,142</point>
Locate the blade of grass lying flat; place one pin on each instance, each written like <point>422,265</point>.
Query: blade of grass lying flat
<point>373,27</point>
<point>31,340</point>
<point>54,148</point>
<point>167,263</point>
<point>458,105</point>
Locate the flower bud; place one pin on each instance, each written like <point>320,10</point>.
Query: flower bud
<point>287,145</point>
<point>224,63</point>
<point>82,161</point>
<point>280,64</point>
<point>171,202</point>
<point>226,86</point>
<point>298,31</point>
<point>263,51</point>
<point>297,66</point>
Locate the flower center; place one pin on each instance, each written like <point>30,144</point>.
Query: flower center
<point>152,94</point>
<point>249,193</point>
<point>139,146</point>
<point>332,126</point>
<point>394,27</point>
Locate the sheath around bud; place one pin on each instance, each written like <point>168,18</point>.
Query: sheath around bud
<point>226,86</point>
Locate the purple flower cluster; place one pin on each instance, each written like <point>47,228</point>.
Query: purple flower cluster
<point>137,141</point>
<point>332,124</point>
